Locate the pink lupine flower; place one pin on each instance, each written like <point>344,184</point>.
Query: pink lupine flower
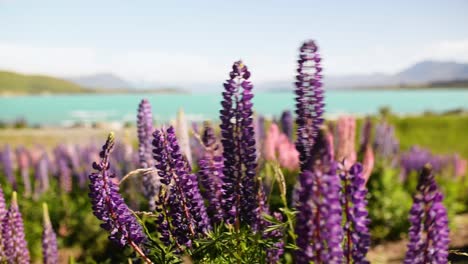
<point>368,162</point>
<point>278,147</point>
<point>346,133</point>
<point>271,140</point>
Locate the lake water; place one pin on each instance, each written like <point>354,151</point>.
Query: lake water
<point>68,109</point>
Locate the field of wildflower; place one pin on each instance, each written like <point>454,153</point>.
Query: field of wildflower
<point>242,189</point>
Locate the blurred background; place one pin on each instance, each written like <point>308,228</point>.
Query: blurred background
<point>71,71</point>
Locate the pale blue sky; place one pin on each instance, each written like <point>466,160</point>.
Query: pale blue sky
<point>183,42</point>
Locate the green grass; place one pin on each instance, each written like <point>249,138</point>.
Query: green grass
<point>440,134</point>
<point>14,83</point>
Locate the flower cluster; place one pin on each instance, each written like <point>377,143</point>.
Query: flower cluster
<point>145,131</point>
<point>287,124</point>
<point>319,219</point>
<point>277,146</point>
<point>239,151</point>
<point>182,213</point>
<point>345,137</point>
<point>15,248</point>
<point>429,233</point>
<point>211,175</point>
<point>386,144</point>
<point>356,231</point>
<point>309,100</point>
<point>49,239</point>
<point>108,204</point>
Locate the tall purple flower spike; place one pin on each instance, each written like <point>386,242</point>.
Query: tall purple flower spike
<point>386,144</point>
<point>108,204</point>
<point>3,213</point>
<point>287,124</point>
<point>318,226</point>
<point>41,174</point>
<point>65,175</point>
<point>211,175</point>
<point>14,240</point>
<point>145,132</point>
<point>429,232</point>
<point>7,164</point>
<point>238,139</point>
<point>182,213</point>
<point>49,239</point>
<point>24,164</point>
<point>356,228</point>
<point>309,101</point>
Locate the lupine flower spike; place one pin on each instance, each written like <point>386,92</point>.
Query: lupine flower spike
<point>211,174</point>
<point>49,239</point>
<point>3,213</point>
<point>356,228</point>
<point>238,139</point>
<point>182,213</point>
<point>309,100</point>
<point>14,240</point>
<point>145,134</point>
<point>429,232</point>
<point>109,206</point>
<point>318,226</point>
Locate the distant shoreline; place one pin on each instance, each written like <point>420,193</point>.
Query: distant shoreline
<point>95,92</point>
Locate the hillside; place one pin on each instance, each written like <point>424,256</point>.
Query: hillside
<point>102,81</point>
<point>13,84</point>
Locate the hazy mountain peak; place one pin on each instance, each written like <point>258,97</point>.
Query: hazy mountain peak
<point>102,80</point>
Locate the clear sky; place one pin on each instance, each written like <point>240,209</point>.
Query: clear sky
<point>196,41</point>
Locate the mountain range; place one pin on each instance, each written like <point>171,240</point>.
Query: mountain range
<point>424,73</point>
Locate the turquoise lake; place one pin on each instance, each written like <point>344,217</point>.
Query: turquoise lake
<point>68,109</point>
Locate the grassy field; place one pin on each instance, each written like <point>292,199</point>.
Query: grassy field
<point>441,134</point>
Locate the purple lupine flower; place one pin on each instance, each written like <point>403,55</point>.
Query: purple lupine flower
<point>7,164</point>
<point>386,144</point>
<point>429,232</point>
<point>41,172</point>
<point>318,224</point>
<point>14,241</point>
<point>49,239</point>
<point>211,175</point>
<point>356,228</point>
<point>182,211</point>
<point>309,106</point>
<point>24,163</point>
<point>195,145</point>
<point>87,155</point>
<point>287,124</point>
<point>108,204</point>
<point>274,254</point>
<point>260,133</point>
<point>65,175</point>
<point>3,213</point>
<point>415,159</point>
<point>145,131</point>
<point>238,139</point>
